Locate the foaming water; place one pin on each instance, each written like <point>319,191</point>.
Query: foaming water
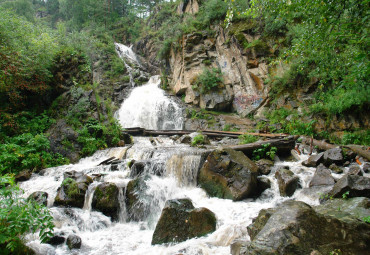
<point>148,107</point>
<point>171,171</point>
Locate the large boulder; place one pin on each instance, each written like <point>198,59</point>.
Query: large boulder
<point>24,175</point>
<point>73,189</point>
<point>287,181</point>
<point>105,200</point>
<point>40,197</point>
<point>352,185</point>
<point>296,228</point>
<point>322,176</point>
<point>228,174</point>
<point>180,221</point>
<point>333,156</point>
<point>314,160</point>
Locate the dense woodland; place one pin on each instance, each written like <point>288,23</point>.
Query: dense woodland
<point>49,47</point>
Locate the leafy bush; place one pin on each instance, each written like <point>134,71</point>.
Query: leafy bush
<point>359,137</point>
<point>245,139</point>
<point>18,216</point>
<point>265,151</point>
<point>197,140</point>
<point>208,80</point>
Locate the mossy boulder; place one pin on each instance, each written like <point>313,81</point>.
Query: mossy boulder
<point>73,189</point>
<point>228,174</point>
<point>287,181</point>
<point>105,200</point>
<point>296,228</point>
<point>180,221</point>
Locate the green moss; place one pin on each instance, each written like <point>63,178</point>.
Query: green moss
<point>71,187</point>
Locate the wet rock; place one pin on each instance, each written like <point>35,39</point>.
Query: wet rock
<point>228,174</point>
<point>185,139</point>
<point>137,168</point>
<point>355,170</point>
<point>295,228</point>
<point>73,189</point>
<point>24,175</point>
<point>336,169</point>
<point>263,183</point>
<point>105,200</point>
<point>314,160</point>
<point>137,211</point>
<point>259,222</point>
<point>322,176</point>
<point>295,155</point>
<point>264,166</point>
<point>74,242</point>
<point>56,240</point>
<point>40,197</point>
<point>333,156</point>
<point>366,167</point>
<point>355,185</point>
<point>288,182</point>
<point>180,221</point>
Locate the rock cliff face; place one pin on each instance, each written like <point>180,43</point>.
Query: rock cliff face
<point>243,89</point>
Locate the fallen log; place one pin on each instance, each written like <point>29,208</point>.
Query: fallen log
<point>358,149</point>
<point>107,161</point>
<point>327,146</point>
<point>283,145</point>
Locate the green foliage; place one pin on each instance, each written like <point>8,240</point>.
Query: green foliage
<point>19,216</point>
<point>208,80</point>
<point>265,151</point>
<point>198,140</point>
<point>291,122</point>
<point>366,219</point>
<point>245,139</point>
<point>26,146</point>
<point>93,136</point>
<point>345,195</point>
<point>328,42</point>
<point>357,137</point>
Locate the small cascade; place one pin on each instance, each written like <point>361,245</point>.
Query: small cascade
<point>184,168</point>
<point>122,214</point>
<point>149,107</point>
<point>127,55</point>
<point>89,195</point>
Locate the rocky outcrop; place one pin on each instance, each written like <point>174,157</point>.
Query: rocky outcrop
<point>105,200</point>
<point>180,221</point>
<point>322,176</point>
<point>287,181</point>
<point>73,189</point>
<point>243,89</point>
<point>228,174</point>
<point>40,197</point>
<point>305,230</point>
<point>333,156</point>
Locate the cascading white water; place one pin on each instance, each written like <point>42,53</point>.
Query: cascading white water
<point>127,54</point>
<point>149,107</point>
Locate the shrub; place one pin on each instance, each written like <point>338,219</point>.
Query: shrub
<point>19,216</point>
<point>265,151</point>
<point>208,80</point>
<point>197,140</point>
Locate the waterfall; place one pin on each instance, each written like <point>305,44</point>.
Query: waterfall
<point>127,55</point>
<point>149,107</point>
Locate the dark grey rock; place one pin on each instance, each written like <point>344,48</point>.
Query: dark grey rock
<point>288,182</point>
<point>355,170</point>
<point>40,197</point>
<point>322,176</point>
<point>264,166</point>
<point>333,156</point>
<point>74,242</point>
<point>314,160</point>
